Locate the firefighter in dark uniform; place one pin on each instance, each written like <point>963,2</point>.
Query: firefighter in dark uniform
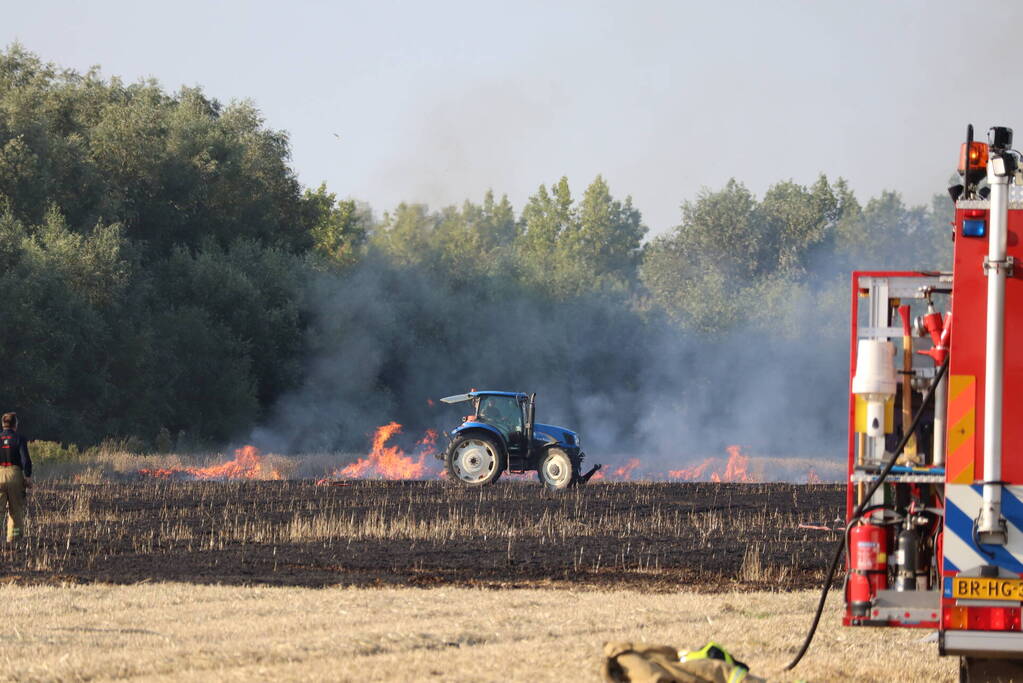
<point>15,475</point>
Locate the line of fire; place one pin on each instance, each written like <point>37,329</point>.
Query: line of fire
<point>392,462</point>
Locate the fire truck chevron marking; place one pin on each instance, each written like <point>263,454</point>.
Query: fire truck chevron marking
<point>960,434</point>
<point>960,555</point>
<point>961,430</point>
<point>960,394</point>
<point>962,415</point>
<point>960,524</point>
<point>961,509</point>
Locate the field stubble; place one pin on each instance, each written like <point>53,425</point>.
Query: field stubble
<point>643,535</point>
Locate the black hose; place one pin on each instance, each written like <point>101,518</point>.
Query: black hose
<point>861,508</point>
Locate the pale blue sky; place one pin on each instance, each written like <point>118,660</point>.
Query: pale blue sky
<point>438,101</point>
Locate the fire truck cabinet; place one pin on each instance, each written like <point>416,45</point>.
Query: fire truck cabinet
<point>876,296</point>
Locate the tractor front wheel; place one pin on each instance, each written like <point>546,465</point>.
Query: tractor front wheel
<point>475,460</point>
<point>558,470</point>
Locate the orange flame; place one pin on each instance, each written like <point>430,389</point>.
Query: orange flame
<point>691,473</point>
<point>389,462</point>
<point>736,469</point>
<point>625,471</point>
<point>247,464</point>
<point>428,442</point>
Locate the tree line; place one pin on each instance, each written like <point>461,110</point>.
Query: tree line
<point>165,276</point>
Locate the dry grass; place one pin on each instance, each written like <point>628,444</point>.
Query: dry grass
<point>181,632</point>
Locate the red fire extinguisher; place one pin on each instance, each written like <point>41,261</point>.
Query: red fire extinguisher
<point>868,565</point>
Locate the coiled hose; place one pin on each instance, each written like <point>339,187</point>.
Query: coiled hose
<point>861,509</point>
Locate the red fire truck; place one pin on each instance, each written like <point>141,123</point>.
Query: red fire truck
<point>935,478</point>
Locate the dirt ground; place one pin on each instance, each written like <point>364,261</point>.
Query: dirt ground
<point>651,536</point>
<point>182,632</point>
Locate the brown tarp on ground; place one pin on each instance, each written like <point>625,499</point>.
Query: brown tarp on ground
<point>628,662</point>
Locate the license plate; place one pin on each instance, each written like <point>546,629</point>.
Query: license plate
<point>979,588</point>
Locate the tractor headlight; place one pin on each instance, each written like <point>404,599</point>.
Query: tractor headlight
<point>578,441</point>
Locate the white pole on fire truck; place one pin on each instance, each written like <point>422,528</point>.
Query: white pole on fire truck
<point>991,527</point>
<point>940,408</point>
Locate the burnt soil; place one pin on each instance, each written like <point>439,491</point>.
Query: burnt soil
<point>651,536</point>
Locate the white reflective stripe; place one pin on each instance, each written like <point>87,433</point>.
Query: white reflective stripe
<point>960,553</point>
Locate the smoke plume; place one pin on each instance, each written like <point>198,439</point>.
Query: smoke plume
<point>388,341</point>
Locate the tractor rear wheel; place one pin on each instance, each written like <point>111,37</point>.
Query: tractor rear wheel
<point>475,460</point>
<point>558,470</point>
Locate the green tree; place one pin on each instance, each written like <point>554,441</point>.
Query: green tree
<point>339,229</point>
<point>886,234</point>
<point>733,258</point>
<point>62,294</point>
<point>607,240</point>
<point>406,235</point>
<point>796,224</point>
<point>151,244</point>
<point>696,271</point>
<point>569,249</point>
<point>491,224</point>
<point>250,296</point>
<point>171,169</point>
<point>548,216</point>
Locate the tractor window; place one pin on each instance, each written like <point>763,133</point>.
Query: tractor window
<point>503,412</point>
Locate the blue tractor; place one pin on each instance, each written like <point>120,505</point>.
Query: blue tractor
<point>500,435</point>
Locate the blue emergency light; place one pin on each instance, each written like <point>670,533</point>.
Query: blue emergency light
<point>973,227</point>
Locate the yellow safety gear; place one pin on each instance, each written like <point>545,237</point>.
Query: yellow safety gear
<point>714,651</point>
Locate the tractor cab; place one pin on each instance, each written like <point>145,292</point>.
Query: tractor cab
<point>507,414</point>
<point>500,435</point>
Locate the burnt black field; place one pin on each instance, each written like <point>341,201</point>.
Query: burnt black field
<point>651,536</point>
